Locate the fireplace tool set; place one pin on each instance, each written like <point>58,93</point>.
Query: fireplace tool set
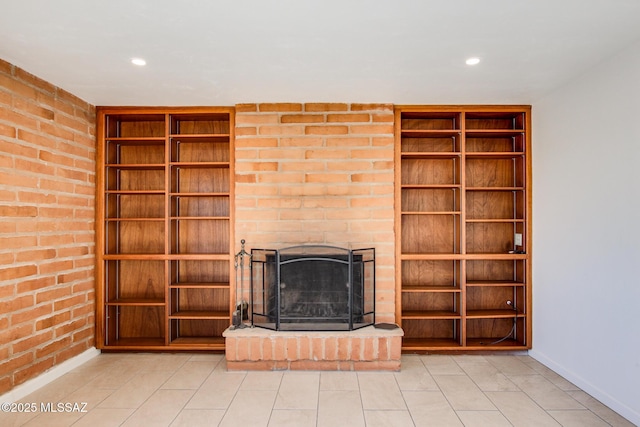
<point>241,311</point>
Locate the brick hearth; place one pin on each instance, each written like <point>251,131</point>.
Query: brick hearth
<point>368,348</point>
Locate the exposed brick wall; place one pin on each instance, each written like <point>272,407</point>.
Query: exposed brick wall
<point>318,174</point>
<point>47,226</point>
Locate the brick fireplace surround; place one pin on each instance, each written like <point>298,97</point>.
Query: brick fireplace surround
<point>317,173</point>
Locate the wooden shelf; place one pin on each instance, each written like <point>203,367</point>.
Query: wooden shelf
<point>200,314</point>
<point>430,289</point>
<point>136,301</point>
<point>430,314</point>
<point>200,285</point>
<point>164,250</point>
<point>417,344</point>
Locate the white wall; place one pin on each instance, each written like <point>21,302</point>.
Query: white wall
<point>586,219</point>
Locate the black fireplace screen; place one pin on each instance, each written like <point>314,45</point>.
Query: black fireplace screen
<point>309,288</point>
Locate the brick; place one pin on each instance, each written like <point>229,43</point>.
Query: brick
<point>230,348</point>
<point>367,107</point>
<point>326,130</point>
<point>53,320</point>
<point>331,348</point>
<point>317,348</point>
<point>32,371</point>
<point>279,107</point>
<point>322,107</point>
<point>15,363</point>
<point>69,302</point>
<point>53,347</point>
<point>292,349</point>
<point>17,88</point>
<point>6,384</point>
<point>256,119</point>
<point>353,117</point>
<point>348,141</point>
<point>33,313</point>
<point>356,348</point>
<point>33,80</point>
<point>371,129</point>
<point>302,118</point>
<point>15,304</point>
<point>279,349</point>
<point>267,349</point>
<point>379,118</point>
<point>245,131</point>
<point>246,108</point>
<point>69,352</point>
<point>83,334</point>
<point>255,349</point>
<point>8,131</point>
<point>29,107</point>
<point>19,271</point>
<point>280,130</point>
<point>31,342</point>
<point>306,347</point>
<point>53,294</point>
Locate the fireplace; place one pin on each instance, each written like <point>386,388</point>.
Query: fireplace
<point>312,288</point>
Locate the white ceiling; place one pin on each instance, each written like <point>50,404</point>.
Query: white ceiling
<point>211,52</point>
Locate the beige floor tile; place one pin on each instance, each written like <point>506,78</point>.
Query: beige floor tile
<point>298,390</point>
<point>464,360</point>
<point>136,390</point>
<point>462,393</point>
<point>414,375</point>
<point>520,410</point>
<point>545,393</point>
<point>198,418</point>
<point>190,375</point>
<point>266,380</point>
<point>206,357</point>
<point>441,365</point>
<point>160,409</point>
<point>601,410</point>
<point>483,419</point>
<point>549,374</point>
<point>250,408</point>
<point>104,417</point>
<point>388,419</point>
<point>338,380</point>
<point>430,408</point>
<point>114,378</point>
<point>379,391</point>
<point>164,362</point>
<point>340,408</point>
<point>578,418</point>
<point>217,391</point>
<point>292,418</point>
<point>8,419</point>
<point>54,419</point>
<point>510,365</point>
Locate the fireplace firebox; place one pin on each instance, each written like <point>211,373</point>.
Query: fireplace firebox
<point>312,288</point>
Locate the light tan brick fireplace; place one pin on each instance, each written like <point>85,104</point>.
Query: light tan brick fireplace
<point>318,173</point>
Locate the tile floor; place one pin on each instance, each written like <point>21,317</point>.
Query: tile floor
<point>431,390</point>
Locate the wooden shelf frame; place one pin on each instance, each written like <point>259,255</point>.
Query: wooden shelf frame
<point>491,148</point>
<point>167,158</point>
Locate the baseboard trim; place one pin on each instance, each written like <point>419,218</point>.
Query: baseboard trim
<point>622,409</point>
<point>45,378</point>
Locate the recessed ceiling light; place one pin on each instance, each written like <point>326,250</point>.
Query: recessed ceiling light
<point>473,61</point>
<point>138,61</point>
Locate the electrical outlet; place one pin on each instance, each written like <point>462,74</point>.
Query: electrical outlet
<point>518,239</point>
